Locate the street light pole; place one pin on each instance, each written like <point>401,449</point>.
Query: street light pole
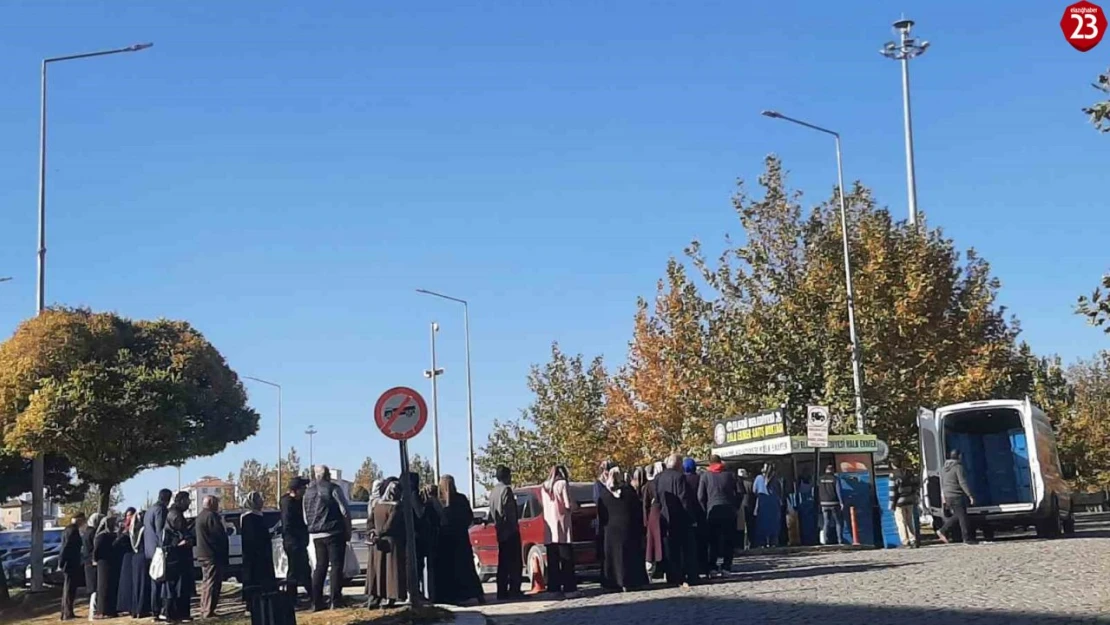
<point>906,49</point>
<point>434,374</point>
<point>38,466</point>
<point>469,390</point>
<point>278,387</point>
<point>311,431</point>
<point>857,374</point>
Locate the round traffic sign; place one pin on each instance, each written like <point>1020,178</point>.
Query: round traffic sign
<point>400,413</point>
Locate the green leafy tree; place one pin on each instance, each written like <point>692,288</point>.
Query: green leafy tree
<point>422,467</point>
<point>566,423</point>
<point>90,504</point>
<point>1099,112</point>
<point>255,476</point>
<point>366,475</point>
<point>115,396</point>
<point>1097,307</point>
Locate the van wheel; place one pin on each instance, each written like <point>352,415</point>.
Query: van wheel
<point>1050,526</point>
<point>1069,526</point>
<point>988,533</point>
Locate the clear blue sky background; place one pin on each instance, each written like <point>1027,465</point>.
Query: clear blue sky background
<point>284,174</point>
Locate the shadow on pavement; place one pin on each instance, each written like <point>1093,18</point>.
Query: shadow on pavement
<point>673,610</point>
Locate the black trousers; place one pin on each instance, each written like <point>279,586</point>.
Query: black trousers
<point>330,552</point>
<point>509,567</point>
<point>680,555</point>
<point>69,592</point>
<point>299,573</point>
<point>722,532</point>
<point>958,506</point>
<point>560,568</point>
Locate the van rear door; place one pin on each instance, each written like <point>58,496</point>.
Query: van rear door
<point>1028,424</point>
<point>932,457</point>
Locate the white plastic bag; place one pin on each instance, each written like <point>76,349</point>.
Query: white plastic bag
<point>92,607</point>
<point>351,569</point>
<point>158,565</point>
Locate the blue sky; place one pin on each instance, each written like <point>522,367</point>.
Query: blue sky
<point>284,174</point>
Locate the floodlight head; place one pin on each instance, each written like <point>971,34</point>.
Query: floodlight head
<point>139,46</point>
<point>771,114</point>
<point>903,25</point>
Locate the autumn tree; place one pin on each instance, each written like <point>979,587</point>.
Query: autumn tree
<point>261,477</point>
<point>774,328</point>
<point>115,396</point>
<point>1083,431</point>
<point>564,424</point>
<point>360,493</point>
<point>366,475</point>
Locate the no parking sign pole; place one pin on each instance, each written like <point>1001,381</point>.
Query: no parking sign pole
<point>401,414</point>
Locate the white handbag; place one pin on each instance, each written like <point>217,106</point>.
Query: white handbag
<point>158,564</point>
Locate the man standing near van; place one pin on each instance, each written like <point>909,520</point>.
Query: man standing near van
<point>904,488</point>
<point>956,496</point>
<point>503,514</point>
<point>329,527</point>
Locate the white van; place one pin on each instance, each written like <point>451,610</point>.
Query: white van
<point>1011,463</point>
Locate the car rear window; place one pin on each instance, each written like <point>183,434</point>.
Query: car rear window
<point>582,493</point>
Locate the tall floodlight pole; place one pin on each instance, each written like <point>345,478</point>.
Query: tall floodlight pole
<point>857,374</point>
<point>278,387</point>
<point>469,390</point>
<point>38,466</point>
<point>434,374</point>
<point>311,431</point>
<point>906,49</point>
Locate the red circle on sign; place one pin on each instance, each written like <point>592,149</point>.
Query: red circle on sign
<point>402,398</point>
<point>1083,24</point>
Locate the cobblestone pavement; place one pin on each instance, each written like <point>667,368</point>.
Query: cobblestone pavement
<point>1013,581</point>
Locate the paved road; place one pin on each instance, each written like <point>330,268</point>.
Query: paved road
<point>1013,581</point>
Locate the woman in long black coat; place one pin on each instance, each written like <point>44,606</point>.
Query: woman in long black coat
<point>106,555</point>
<point>178,540</point>
<point>258,556</point>
<point>125,596</point>
<point>456,580</point>
<point>385,576</point>
<point>620,512</point>
<point>88,560</point>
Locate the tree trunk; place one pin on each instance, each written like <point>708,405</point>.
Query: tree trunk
<point>105,497</point>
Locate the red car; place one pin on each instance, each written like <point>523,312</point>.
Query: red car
<point>530,514</point>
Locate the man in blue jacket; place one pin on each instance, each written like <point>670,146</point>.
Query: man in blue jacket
<point>154,521</point>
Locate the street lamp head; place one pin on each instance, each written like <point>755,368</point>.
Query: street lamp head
<point>139,46</point>
<point>771,114</point>
<point>435,327</point>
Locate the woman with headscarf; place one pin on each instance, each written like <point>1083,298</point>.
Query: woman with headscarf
<point>456,581</point>
<point>622,517</point>
<point>599,536</point>
<point>431,528</point>
<point>653,515</point>
<point>385,576</point>
<point>105,554</point>
<point>258,556</point>
<point>178,539</point>
<point>88,559</point>
<point>558,539</point>
<point>125,594</point>
<point>141,584</point>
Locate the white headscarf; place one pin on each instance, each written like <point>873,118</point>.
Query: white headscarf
<point>613,480</point>
<point>252,503</point>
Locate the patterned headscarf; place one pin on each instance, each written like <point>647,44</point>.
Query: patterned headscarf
<point>252,502</point>
<point>613,480</point>
<point>107,525</point>
<point>390,492</point>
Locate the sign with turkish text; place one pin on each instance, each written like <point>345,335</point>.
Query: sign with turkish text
<point>749,428</point>
<point>1083,24</point>
<point>817,426</point>
<point>780,446</point>
<point>840,443</point>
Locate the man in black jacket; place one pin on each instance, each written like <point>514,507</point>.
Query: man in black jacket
<point>294,538</point>
<point>212,554</point>
<point>154,522</point>
<point>678,507</point>
<point>956,496</point>
<point>72,566</point>
<point>904,489</point>
<point>329,526</point>
<point>718,495</point>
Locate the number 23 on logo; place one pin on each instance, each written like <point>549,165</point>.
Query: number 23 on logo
<point>1083,24</point>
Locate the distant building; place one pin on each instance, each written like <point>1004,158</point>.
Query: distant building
<point>16,512</point>
<point>344,485</point>
<point>213,486</point>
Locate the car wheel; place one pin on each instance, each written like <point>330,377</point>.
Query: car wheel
<point>478,569</point>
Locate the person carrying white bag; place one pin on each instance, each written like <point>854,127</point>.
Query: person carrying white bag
<point>328,518</point>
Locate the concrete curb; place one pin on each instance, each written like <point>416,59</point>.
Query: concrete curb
<point>465,616</point>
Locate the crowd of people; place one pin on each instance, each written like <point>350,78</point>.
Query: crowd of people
<point>665,521</point>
